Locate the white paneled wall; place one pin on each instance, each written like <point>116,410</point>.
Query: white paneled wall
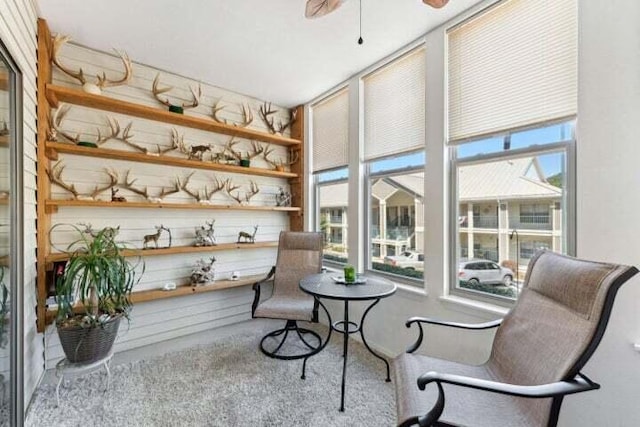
<point>152,322</point>
<point>18,23</point>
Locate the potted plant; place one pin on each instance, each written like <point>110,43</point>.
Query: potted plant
<point>93,294</point>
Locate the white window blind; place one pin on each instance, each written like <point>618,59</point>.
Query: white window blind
<point>512,66</point>
<point>330,131</point>
<point>394,107</point>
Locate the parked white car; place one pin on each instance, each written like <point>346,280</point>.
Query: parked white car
<point>408,259</point>
<point>485,272</point>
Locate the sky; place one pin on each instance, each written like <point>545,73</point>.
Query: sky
<point>551,163</point>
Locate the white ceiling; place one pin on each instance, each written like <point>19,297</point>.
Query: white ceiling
<point>261,48</point>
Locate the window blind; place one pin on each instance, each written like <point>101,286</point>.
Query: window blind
<point>330,131</point>
<point>394,107</point>
<point>512,66</point>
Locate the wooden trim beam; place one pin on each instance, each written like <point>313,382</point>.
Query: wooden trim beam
<point>53,148</point>
<point>57,94</point>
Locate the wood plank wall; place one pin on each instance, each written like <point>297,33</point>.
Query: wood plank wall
<point>18,28</point>
<point>157,321</point>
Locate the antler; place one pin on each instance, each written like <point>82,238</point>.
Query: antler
<point>103,81</point>
<point>229,149</point>
<point>113,181</point>
<point>252,191</point>
<point>159,91</point>
<point>59,40</point>
<point>55,121</point>
<point>55,176</point>
<point>115,134</point>
<point>129,186</point>
<point>229,188</point>
<point>247,116</point>
<point>176,142</point>
<point>172,190</point>
<point>266,111</point>
<point>219,186</point>
<point>256,149</point>
<point>183,186</point>
<point>291,158</point>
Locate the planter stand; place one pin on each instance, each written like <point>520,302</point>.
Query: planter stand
<point>64,367</point>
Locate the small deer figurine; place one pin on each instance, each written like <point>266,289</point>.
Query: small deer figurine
<point>154,237</point>
<point>244,237</point>
<point>197,151</point>
<point>115,198</point>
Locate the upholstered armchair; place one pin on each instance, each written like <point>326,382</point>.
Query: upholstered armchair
<point>538,351</point>
<point>299,255</point>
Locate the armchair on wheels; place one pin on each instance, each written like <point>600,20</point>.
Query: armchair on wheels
<point>537,355</point>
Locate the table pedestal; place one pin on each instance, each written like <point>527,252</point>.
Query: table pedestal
<point>64,367</point>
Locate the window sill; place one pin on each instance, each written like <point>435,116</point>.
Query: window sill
<point>479,307</point>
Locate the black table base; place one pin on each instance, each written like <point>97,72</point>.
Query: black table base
<point>351,328</point>
<point>291,326</point>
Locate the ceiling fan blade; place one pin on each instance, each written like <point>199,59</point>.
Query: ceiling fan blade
<point>318,8</point>
<point>435,3</point>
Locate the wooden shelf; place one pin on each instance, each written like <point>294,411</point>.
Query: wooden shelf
<point>4,80</point>
<point>4,140</point>
<point>180,291</point>
<point>53,148</point>
<point>53,257</point>
<point>53,205</point>
<point>56,94</point>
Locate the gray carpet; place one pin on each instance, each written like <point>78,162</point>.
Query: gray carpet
<point>227,383</point>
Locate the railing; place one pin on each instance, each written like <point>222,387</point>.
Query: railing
<point>485,221</point>
<point>335,219</point>
<point>398,233</point>
<point>531,222</point>
<point>489,254</point>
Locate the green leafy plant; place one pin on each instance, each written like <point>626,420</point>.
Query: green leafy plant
<point>97,276</point>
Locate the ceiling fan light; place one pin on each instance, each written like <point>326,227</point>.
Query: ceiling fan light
<point>435,3</point>
<point>318,8</point>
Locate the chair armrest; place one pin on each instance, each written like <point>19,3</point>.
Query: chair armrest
<point>561,388</point>
<point>256,289</point>
<point>420,320</point>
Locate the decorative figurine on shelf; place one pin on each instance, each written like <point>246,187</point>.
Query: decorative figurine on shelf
<point>283,198</point>
<point>204,236</point>
<point>154,237</point>
<point>203,272</point>
<point>109,232</point>
<point>115,198</point>
<point>244,237</point>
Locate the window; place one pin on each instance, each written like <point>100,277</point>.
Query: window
<point>330,141</point>
<point>512,100</point>
<point>331,201</point>
<point>396,206</point>
<point>514,203</point>
<point>394,139</point>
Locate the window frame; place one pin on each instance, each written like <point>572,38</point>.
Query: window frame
<point>567,146</point>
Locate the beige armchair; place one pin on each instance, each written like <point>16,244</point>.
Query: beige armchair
<point>299,255</point>
<point>538,352</point>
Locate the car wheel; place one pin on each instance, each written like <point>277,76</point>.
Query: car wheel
<point>507,280</point>
<point>473,281</point>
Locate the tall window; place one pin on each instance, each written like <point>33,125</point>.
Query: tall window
<point>330,134</point>
<point>512,103</point>
<point>394,139</point>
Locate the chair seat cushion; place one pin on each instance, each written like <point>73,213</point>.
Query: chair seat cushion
<point>463,406</point>
<point>294,307</point>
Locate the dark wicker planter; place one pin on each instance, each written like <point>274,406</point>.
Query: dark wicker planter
<point>88,344</point>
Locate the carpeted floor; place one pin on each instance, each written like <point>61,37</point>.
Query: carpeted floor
<point>227,383</point>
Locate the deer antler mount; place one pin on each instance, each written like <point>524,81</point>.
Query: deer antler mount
<point>102,81</point>
<point>174,108</point>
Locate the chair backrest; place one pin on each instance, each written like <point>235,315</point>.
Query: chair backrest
<point>557,323</point>
<point>299,255</point>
